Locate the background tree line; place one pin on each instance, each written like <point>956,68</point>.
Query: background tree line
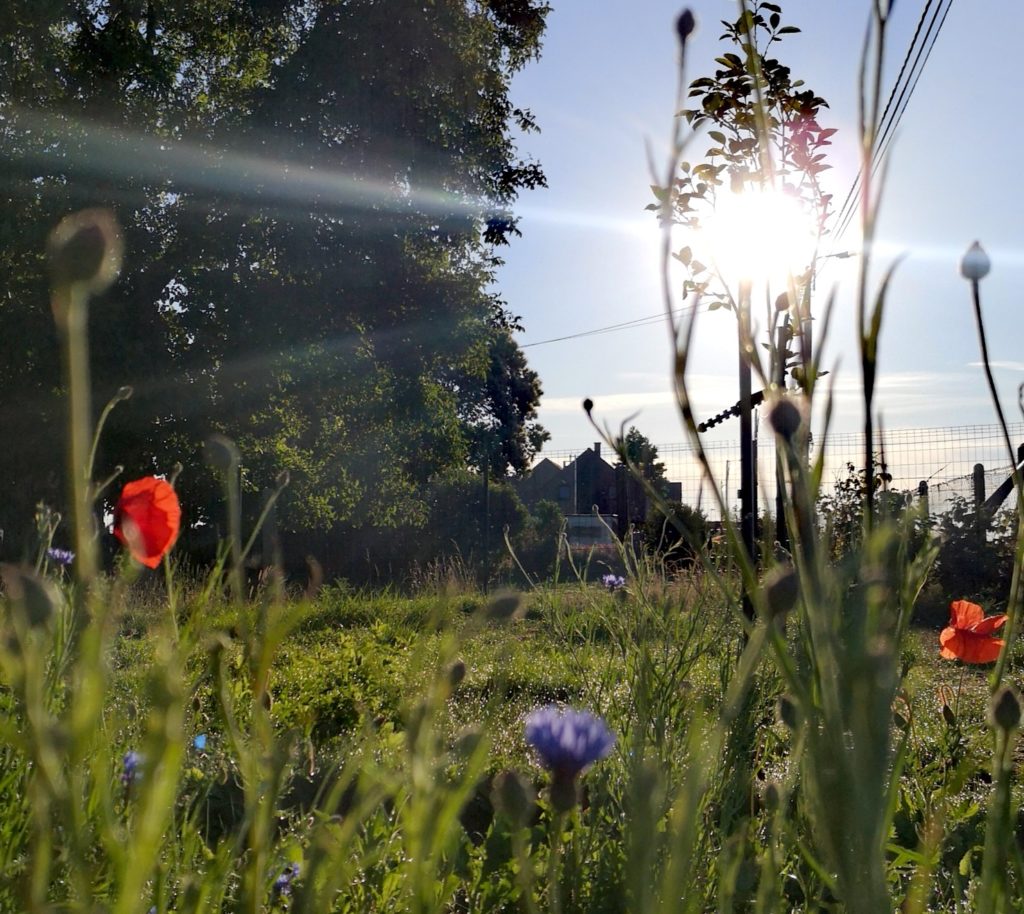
<point>312,193</point>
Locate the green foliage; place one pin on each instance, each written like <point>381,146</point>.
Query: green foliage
<point>539,548</point>
<point>676,533</point>
<point>311,195</point>
<point>500,414</point>
<point>639,453</point>
<point>842,509</point>
<point>764,132</point>
<point>977,555</point>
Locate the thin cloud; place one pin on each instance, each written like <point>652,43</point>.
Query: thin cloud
<point>999,366</point>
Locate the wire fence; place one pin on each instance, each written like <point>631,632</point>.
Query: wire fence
<point>942,457</point>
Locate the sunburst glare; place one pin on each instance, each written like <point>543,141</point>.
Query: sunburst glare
<point>759,236</point>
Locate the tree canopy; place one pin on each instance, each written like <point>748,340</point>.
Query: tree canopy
<point>312,193</point>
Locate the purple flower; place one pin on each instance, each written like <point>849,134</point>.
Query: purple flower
<point>568,741</point>
<point>60,556</point>
<point>283,883</point>
<point>131,771</point>
<point>613,582</point>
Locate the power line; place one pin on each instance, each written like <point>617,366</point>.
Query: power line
<point>888,137</point>
<point>849,201</point>
<point>893,113</point>
<point>625,325</point>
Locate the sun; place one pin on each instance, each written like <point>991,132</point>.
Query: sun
<point>759,236</point>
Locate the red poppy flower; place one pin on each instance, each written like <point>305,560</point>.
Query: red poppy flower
<point>970,636</point>
<point>147,519</point>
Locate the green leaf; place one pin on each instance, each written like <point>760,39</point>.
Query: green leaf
<point>717,136</point>
<point>696,267</point>
<point>788,30</point>
<point>684,256</point>
<point>965,863</point>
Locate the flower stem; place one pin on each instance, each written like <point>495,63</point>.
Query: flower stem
<point>1012,603</point>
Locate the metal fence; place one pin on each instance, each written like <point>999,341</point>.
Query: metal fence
<point>943,457</point>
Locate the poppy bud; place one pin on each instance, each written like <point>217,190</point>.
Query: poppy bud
<point>900,720</point>
<point>785,418</point>
<point>512,795</point>
<point>773,794</point>
<point>222,453</point>
<point>948,715</point>
<point>467,742</point>
<point>85,248</point>
<point>685,25</point>
<point>781,589</point>
<point>456,673</point>
<point>507,607</point>
<point>35,598</point>
<point>782,302</point>
<point>787,712</point>
<point>1004,712</point>
<point>588,405</point>
<point>975,265</point>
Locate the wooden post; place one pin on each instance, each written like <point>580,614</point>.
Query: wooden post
<point>979,499</point>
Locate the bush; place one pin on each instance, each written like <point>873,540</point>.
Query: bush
<point>675,533</point>
<point>976,561</point>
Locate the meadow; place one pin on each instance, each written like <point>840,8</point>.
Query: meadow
<point>748,730</point>
<point>367,752</point>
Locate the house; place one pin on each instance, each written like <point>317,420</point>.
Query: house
<point>589,485</point>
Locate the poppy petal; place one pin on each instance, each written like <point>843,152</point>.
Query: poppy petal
<point>989,625</point>
<point>964,614</point>
<point>951,642</point>
<point>979,649</point>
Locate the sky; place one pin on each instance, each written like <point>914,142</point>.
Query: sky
<point>603,93</point>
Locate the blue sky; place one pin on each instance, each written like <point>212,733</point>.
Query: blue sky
<point>604,87</point>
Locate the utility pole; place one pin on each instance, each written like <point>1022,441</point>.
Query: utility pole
<point>748,506</point>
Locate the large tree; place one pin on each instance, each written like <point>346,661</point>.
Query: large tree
<point>311,193</point>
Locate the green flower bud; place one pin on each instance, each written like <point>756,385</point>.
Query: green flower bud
<point>948,715</point>
<point>456,673</point>
<point>505,607</point>
<point>86,249</point>
<point>773,794</point>
<point>222,453</point>
<point>33,597</point>
<point>785,418</point>
<point>1004,712</point>
<point>514,797</point>
<point>787,712</point>
<point>781,590</point>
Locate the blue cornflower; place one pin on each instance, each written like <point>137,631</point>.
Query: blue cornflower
<point>200,741</point>
<point>283,883</point>
<point>613,582</point>
<point>568,741</point>
<point>60,556</point>
<point>132,769</point>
